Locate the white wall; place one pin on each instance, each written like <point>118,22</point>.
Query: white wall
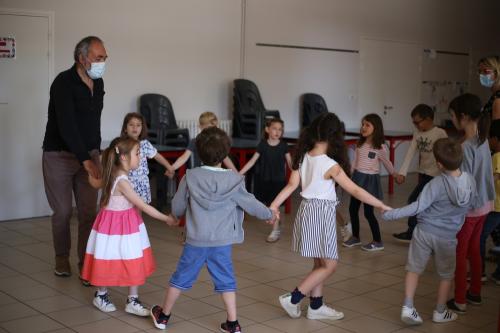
<point>188,50</point>
<point>284,74</point>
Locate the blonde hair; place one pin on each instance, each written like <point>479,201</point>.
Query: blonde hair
<point>208,119</point>
<point>111,163</point>
<point>492,62</point>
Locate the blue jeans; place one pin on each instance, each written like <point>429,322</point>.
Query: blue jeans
<point>219,265</point>
<point>491,223</point>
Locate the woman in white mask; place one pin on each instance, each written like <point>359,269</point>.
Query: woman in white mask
<point>489,76</point>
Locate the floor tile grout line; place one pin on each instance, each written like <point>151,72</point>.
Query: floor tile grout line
<point>45,314</point>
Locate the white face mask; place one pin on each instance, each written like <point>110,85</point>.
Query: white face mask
<point>96,70</point>
<point>486,80</point>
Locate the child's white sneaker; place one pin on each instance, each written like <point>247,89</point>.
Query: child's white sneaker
<point>274,236</point>
<point>410,316</point>
<point>346,232</point>
<point>293,310</point>
<point>324,312</point>
<point>444,317</point>
<point>103,303</point>
<point>134,306</point>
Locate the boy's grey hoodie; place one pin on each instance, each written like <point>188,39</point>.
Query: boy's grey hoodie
<point>213,200</point>
<point>442,205</point>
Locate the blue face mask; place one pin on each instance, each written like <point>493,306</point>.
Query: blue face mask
<point>96,70</point>
<point>486,80</point>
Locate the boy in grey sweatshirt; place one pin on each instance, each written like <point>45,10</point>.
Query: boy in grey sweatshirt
<point>213,200</point>
<point>440,211</point>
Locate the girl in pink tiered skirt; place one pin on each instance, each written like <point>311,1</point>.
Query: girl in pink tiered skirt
<point>118,250</point>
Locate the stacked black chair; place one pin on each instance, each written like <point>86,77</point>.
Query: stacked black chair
<point>160,119</point>
<point>162,130</point>
<point>312,106</point>
<point>249,111</point>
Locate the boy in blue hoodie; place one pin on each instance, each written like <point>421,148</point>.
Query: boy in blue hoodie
<point>440,211</point>
<point>213,200</point>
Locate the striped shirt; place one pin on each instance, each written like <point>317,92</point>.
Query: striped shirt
<point>367,160</point>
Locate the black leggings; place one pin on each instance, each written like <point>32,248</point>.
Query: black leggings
<point>370,217</point>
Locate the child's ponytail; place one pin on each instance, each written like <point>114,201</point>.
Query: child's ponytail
<point>111,163</point>
<point>109,159</point>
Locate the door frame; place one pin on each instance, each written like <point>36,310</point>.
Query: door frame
<point>388,40</point>
<point>39,13</point>
<point>49,16</point>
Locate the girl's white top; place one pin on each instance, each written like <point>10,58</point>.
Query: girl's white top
<point>312,176</point>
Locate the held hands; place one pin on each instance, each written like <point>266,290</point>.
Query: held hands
<point>276,215</point>
<point>170,172</point>
<point>400,179</point>
<point>384,208</point>
<point>95,183</point>
<point>171,221</point>
<point>92,169</point>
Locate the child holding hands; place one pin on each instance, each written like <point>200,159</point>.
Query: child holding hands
<point>213,200</point>
<point>440,211</point>
<point>318,165</point>
<point>270,175</point>
<point>118,250</point>
<point>422,142</point>
<point>134,126</point>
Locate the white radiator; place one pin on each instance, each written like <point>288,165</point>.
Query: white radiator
<point>192,126</point>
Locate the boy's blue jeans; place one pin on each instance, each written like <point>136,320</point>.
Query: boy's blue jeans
<point>219,265</point>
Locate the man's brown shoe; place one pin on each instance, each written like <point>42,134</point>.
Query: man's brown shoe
<point>85,283</point>
<point>63,268</point>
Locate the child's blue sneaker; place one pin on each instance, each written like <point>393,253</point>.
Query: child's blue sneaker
<point>373,246</point>
<point>351,242</point>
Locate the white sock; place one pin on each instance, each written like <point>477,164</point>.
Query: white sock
<point>440,308</point>
<point>102,291</point>
<point>408,302</point>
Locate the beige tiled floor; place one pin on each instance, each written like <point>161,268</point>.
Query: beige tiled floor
<point>368,287</point>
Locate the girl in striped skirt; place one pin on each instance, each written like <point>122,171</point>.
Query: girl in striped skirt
<point>319,162</point>
<point>118,250</point>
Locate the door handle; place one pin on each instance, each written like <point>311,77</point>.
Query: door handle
<point>388,107</point>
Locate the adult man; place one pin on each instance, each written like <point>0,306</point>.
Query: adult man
<point>71,148</point>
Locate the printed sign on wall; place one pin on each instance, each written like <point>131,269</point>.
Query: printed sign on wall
<point>7,47</point>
